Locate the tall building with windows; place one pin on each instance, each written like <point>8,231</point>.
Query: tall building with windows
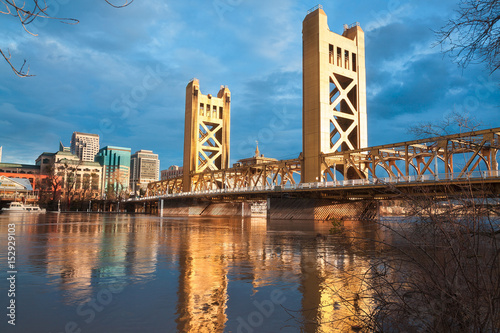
<point>144,168</point>
<point>115,163</point>
<point>85,146</point>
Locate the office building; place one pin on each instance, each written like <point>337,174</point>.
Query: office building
<point>144,168</point>
<point>85,146</point>
<point>115,162</point>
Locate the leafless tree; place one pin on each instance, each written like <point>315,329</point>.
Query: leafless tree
<point>454,122</point>
<point>52,183</point>
<point>474,35</point>
<point>29,11</point>
<point>434,269</point>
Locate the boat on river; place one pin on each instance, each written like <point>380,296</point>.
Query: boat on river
<point>18,207</point>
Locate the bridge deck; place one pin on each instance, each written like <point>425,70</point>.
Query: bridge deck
<point>346,189</point>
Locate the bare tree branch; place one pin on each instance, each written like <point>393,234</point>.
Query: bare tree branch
<point>19,72</point>
<point>452,123</point>
<point>27,15</point>
<point>474,35</point>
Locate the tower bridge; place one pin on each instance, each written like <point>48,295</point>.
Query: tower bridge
<point>336,165</point>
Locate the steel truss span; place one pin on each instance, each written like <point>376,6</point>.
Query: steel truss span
<point>451,157</point>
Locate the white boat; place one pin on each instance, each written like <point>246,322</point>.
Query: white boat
<point>18,207</point>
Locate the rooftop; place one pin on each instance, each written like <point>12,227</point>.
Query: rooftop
<point>88,134</point>
<point>115,148</point>
<point>16,165</point>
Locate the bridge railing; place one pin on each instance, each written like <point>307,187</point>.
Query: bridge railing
<point>441,177</point>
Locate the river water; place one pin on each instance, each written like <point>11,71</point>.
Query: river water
<point>79,272</point>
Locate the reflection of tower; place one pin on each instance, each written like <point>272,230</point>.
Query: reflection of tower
<point>202,286</point>
<point>206,132</point>
<point>70,263</point>
<point>334,92</point>
<point>334,288</point>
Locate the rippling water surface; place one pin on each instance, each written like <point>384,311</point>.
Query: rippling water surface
<point>137,273</point>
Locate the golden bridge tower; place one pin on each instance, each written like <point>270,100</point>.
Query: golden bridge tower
<point>334,92</point>
<point>206,132</point>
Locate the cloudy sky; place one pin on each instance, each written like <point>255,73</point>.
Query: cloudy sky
<point>122,73</point>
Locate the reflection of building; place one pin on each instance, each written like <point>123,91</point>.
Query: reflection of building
<point>101,256</point>
<point>144,168</point>
<point>75,175</point>
<point>85,145</point>
<point>173,171</point>
<point>116,169</point>
<point>203,284</point>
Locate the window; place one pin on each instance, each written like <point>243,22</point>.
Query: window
<point>354,63</point>
<point>339,56</point>
<point>346,59</point>
<point>202,109</point>
<point>331,54</point>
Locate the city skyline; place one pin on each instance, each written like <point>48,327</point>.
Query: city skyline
<point>128,84</point>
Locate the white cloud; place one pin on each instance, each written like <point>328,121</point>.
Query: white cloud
<point>395,12</point>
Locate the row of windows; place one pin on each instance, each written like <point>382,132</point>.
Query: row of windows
<point>343,58</point>
<point>210,111</point>
<point>20,171</point>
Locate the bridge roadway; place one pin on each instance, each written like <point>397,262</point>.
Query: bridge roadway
<point>481,182</point>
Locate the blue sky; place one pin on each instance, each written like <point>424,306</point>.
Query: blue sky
<point>122,73</point>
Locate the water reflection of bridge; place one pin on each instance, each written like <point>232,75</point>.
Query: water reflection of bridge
<point>195,272</point>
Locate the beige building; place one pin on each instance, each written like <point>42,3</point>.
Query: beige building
<point>85,146</point>
<point>206,132</point>
<point>81,178</point>
<point>144,169</point>
<point>173,171</point>
<point>258,158</point>
<point>334,92</point>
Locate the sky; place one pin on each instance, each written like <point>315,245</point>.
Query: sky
<point>122,73</point>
